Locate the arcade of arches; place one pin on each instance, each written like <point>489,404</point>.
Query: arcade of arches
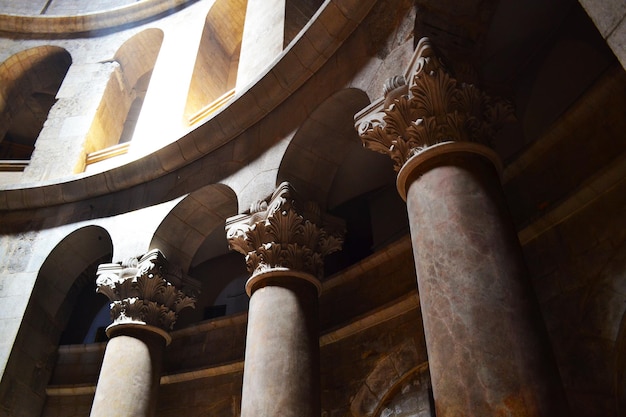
<point>308,208</point>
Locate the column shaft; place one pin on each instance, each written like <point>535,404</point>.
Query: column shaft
<point>284,241</point>
<point>488,350</point>
<point>144,307</point>
<point>281,376</point>
<point>129,378</point>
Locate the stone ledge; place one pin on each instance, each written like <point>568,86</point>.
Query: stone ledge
<point>107,19</point>
<point>378,316</point>
<point>373,318</point>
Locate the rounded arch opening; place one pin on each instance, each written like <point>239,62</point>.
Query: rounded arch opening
<point>61,279</point>
<point>327,163</point>
<point>192,236</point>
<point>215,71</point>
<point>402,386</point>
<point>533,56</point>
<point>29,82</point>
<point>124,94</point>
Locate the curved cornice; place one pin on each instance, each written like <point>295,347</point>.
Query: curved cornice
<point>88,22</point>
<point>322,36</point>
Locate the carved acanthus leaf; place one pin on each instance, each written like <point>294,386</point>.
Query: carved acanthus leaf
<point>433,93</point>
<point>438,108</point>
<point>422,133</point>
<point>141,292</point>
<point>376,139</point>
<point>399,116</point>
<point>286,235</point>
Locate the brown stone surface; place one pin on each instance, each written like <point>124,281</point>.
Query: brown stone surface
<point>360,371</point>
<point>68,406</point>
<point>371,283</point>
<point>488,350</point>
<point>282,352</point>
<point>567,145</point>
<point>206,344</point>
<point>218,396</point>
<point>579,273</point>
<point>412,399</point>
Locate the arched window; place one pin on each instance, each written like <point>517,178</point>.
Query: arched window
<point>29,82</point>
<point>118,112</point>
<point>215,71</point>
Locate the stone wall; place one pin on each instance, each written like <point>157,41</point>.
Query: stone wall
<point>579,270</point>
<point>564,180</point>
<point>610,19</point>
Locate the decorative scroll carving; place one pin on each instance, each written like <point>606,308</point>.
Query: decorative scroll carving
<point>279,233</point>
<point>435,108</point>
<point>140,291</point>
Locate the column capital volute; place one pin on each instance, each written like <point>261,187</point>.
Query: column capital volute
<point>142,293</point>
<point>428,106</point>
<point>285,233</point>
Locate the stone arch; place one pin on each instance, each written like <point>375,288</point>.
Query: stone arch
<point>385,381</point>
<point>327,163</point>
<point>183,231</point>
<point>29,82</point>
<point>547,78</point>
<point>322,145</point>
<point>62,276</point>
<point>192,234</point>
<point>117,114</point>
<point>215,71</point>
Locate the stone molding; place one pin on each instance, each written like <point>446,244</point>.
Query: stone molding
<point>433,107</point>
<point>283,233</point>
<point>410,169</point>
<point>310,50</point>
<point>129,14</point>
<point>142,293</point>
<point>279,274</point>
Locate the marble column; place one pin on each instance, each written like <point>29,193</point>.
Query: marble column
<point>144,308</point>
<point>284,244</point>
<point>488,350</point>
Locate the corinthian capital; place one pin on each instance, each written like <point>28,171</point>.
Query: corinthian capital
<point>434,108</point>
<point>282,233</point>
<point>141,291</point>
